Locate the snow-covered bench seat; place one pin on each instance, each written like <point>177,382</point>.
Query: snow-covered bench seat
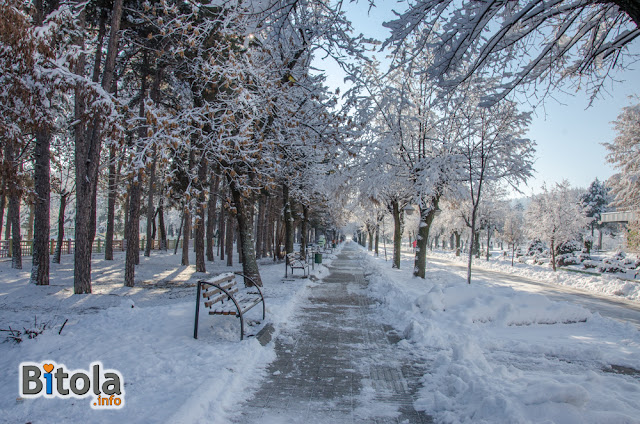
<point>224,296</point>
<point>296,261</point>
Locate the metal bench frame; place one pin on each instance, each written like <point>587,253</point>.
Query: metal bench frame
<point>225,292</point>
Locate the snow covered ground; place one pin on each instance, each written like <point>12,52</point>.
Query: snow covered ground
<point>144,332</point>
<point>491,354</point>
<point>495,355</point>
<point>602,284</point>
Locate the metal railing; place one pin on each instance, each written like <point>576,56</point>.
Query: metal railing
<point>68,246</point>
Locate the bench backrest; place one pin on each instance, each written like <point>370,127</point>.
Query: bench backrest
<point>219,288</point>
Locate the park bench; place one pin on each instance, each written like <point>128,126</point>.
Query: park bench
<point>224,296</point>
<point>296,261</point>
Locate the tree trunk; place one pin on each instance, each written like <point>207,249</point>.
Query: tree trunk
<point>427,214</point>
<point>135,190</point>
<point>88,145</point>
<point>211,216</point>
<point>380,218</point>
<point>245,230</point>
<point>7,228</point>
<point>16,237</point>
<point>63,206</point>
<point>111,204</point>
<point>126,216</point>
<point>472,242</point>
<point>513,253</point>
<point>199,225</point>
<point>161,226</point>
<point>599,238</point>
<point>259,225</point>
<point>553,254</point>
<point>303,231</point>
<point>288,220</point>
<point>151,213</point>
<point>277,239</point>
<point>3,204</point>
<point>229,238</point>
<point>13,214</point>
<point>30,218</point>
<point>154,93</point>
<point>457,235</point>
<point>488,239</point>
<point>186,236</point>
<point>133,232</point>
<point>222,224</point>
<point>267,237</point>
<point>175,250</point>
<point>238,244</point>
<point>42,187</point>
<point>476,245</point>
<point>398,225</point>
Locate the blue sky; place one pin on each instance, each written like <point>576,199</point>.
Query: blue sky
<point>567,133</point>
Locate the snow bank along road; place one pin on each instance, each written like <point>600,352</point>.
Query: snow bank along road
<point>620,309</point>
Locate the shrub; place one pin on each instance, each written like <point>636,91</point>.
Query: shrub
<point>568,247</point>
<point>631,263</point>
<point>535,247</point>
<point>567,259</point>
<point>590,264</point>
<point>611,268</point>
<point>584,257</point>
<point>17,336</point>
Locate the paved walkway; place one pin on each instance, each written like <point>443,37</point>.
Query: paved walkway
<point>337,364</point>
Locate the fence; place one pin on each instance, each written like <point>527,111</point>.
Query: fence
<point>68,246</point>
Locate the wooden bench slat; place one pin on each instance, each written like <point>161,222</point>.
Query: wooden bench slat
<point>223,296</point>
<point>222,278</point>
<point>212,291</point>
<point>219,312</point>
<point>251,304</point>
<point>219,280</point>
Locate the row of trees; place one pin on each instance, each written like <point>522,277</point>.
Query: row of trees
<point>557,215</point>
<point>212,109</point>
<point>216,107</point>
<point>446,125</point>
<point>426,145</point>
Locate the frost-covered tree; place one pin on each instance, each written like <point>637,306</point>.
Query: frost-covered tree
<point>555,216</point>
<point>453,220</point>
<point>594,202</point>
<point>624,154</point>
<point>33,60</point>
<point>513,229</point>
<point>417,127</point>
<point>494,150</point>
<point>520,42</point>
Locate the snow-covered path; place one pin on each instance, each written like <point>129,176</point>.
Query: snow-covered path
<point>620,309</point>
<point>337,364</point>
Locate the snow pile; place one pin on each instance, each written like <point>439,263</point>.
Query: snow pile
<point>602,284</point>
<point>146,333</point>
<point>495,355</point>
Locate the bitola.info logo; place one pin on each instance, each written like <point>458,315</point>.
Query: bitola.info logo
<point>51,380</point>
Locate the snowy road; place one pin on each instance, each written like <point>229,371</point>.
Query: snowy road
<point>621,310</point>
